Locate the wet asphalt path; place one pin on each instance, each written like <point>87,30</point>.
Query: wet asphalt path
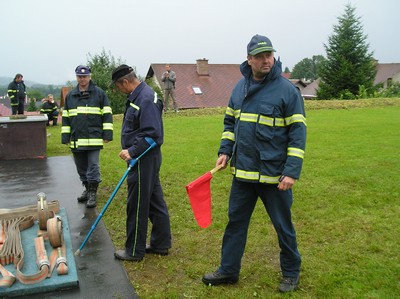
<point>100,274</point>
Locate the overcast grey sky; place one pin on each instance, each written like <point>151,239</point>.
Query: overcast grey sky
<point>46,39</point>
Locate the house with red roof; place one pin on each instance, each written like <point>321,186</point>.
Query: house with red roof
<point>5,109</point>
<point>199,85</point>
<point>203,85</point>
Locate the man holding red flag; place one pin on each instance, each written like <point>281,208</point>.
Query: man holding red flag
<point>264,138</point>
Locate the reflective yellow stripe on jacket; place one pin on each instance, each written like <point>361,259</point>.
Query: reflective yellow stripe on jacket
<point>106,109</point>
<point>86,142</point>
<point>108,126</point>
<point>295,152</point>
<point>65,129</point>
<point>134,106</point>
<point>254,176</point>
<point>263,120</point>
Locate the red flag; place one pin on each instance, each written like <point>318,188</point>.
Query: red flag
<point>199,193</point>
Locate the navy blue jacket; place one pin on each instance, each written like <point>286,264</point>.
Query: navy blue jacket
<point>16,91</point>
<point>142,118</point>
<point>86,119</point>
<point>264,128</point>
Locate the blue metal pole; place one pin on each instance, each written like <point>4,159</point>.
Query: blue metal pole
<point>131,164</point>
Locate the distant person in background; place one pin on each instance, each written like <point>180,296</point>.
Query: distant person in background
<point>169,78</point>
<point>86,124</point>
<point>17,93</point>
<point>50,108</point>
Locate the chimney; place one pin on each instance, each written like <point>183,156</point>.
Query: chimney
<point>202,67</point>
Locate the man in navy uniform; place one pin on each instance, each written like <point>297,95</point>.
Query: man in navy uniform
<point>17,93</point>
<point>264,138</point>
<point>86,124</point>
<point>142,118</point>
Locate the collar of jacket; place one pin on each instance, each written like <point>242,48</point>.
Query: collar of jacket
<point>133,95</point>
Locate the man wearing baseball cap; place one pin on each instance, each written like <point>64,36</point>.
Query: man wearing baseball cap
<point>264,138</point>
<point>142,118</point>
<point>86,124</point>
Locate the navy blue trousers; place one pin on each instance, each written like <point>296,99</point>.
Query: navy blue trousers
<point>242,200</point>
<point>146,202</point>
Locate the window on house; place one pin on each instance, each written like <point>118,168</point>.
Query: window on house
<point>197,90</point>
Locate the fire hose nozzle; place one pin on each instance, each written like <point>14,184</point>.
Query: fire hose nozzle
<point>41,196</point>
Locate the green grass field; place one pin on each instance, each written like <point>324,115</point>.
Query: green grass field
<point>346,209</point>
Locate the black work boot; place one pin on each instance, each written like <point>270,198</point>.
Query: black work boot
<point>84,195</point>
<point>289,284</point>
<point>92,195</point>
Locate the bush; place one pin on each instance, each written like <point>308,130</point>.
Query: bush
<point>347,95</point>
<point>32,105</point>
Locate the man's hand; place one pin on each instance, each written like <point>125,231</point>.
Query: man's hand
<point>286,183</point>
<point>124,155</point>
<point>222,160</point>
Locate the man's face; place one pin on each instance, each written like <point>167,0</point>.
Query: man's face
<point>167,68</point>
<point>122,86</point>
<point>83,81</point>
<point>19,79</point>
<point>261,64</point>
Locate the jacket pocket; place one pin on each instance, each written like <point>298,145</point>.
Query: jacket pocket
<point>272,162</point>
<point>131,123</point>
<point>265,127</point>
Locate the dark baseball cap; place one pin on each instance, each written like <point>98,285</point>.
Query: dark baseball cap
<point>258,44</point>
<point>119,72</point>
<point>82,70</point>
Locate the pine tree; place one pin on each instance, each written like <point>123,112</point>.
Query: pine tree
<point>32,105</point>
<point>349,65</point>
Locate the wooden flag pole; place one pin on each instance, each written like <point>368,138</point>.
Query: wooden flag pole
<point>215,169</point>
